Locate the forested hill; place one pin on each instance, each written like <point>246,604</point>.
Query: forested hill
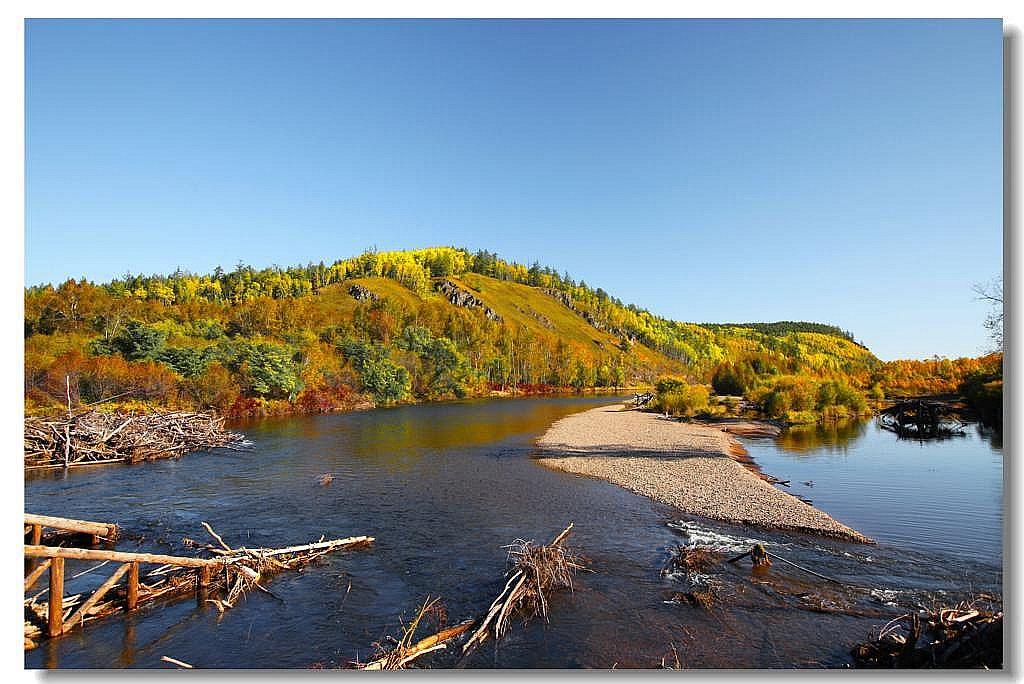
<point>785,327</point>
<point>385,327</point>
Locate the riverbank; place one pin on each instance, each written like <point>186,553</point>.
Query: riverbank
<point>691,467</point>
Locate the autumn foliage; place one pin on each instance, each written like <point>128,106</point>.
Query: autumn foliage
<point>377,329</point>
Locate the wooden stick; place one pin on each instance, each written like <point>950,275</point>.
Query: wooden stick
<point>100,592</point>
<point>132,596</point>
<point>122,556</point>
<point>76,465</point>
<point>55,609</point>
<point>173,661</point>
<point>37,534</point>
<point>108,530</point>
<point>217,537</point>
<point>739,557</point>
<point>34,576</point>
<point>347,541</point>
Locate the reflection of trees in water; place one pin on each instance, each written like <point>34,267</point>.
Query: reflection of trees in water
<point>991,435</point>
<point>836,436</point>
<point>399,437</point>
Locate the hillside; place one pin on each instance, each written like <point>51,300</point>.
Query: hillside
<point>385,327</point>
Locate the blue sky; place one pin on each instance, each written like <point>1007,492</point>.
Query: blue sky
<point>848,172</point>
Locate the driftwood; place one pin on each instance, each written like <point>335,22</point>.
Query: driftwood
<point>220,580</point>
<point>969,634</point>
<point>92,437</point>
<point>643,399</point>
<point>688,560</point>
<point>65,530</point>
<point>174,661</point>
<point>533,571</point>
<point>921,419</point>
<point>405,651</point>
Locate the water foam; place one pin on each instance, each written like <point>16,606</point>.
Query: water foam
<point>704,538</point>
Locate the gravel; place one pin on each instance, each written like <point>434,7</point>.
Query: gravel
<point>683,465</point>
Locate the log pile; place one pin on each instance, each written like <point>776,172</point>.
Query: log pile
<point>93,437</point>
<point>967,635</point>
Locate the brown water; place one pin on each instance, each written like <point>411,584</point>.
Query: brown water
<point>443,487</point>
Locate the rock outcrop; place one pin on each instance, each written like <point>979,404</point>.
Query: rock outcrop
<point>460,297</point>
<point>361,294</point>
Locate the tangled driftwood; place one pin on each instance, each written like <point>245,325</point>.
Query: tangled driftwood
<point>969,634</point>
<point>405,650</point>
<point>921,419</point>
<point>533,573</point>
<point>93,437</point>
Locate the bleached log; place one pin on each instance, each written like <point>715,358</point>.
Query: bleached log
<point>120,556</point>
<point>108,530</point>
<point>319,546</point>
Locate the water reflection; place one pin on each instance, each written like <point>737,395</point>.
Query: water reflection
<point>832,436</point>
<point>937,494</point>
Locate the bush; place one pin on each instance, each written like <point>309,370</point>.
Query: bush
<point>269,372</point>
<point>212,388</point>
<point>687,401</point>
<point>670,384</point>
<point>732,379</point>
<point>984,392</point>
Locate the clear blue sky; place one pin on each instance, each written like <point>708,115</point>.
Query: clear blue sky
<point>847,172</point>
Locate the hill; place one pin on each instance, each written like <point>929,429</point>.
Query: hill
<point>384,327</point>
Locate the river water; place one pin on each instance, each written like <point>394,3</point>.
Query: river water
<point>443,487</point>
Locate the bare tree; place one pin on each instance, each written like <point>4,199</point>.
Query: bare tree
<point>993,294</point>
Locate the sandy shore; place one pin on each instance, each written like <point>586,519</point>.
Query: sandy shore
<point>687,466</point>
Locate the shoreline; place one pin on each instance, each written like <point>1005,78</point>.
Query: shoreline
<point>698,469</point>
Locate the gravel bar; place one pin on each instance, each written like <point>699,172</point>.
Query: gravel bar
<point>687,466</point>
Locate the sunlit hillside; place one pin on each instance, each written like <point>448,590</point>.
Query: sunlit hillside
<point>379,328</point>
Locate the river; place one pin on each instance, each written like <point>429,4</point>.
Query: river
<point>443,487</point>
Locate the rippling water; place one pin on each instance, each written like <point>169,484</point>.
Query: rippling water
<point>443,487</point>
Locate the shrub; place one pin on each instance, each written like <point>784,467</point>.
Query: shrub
<point>214,387</point>
<point>687,401</point>
<point>732,379</point>
<point>984,392</point>
<point>670,384</point>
